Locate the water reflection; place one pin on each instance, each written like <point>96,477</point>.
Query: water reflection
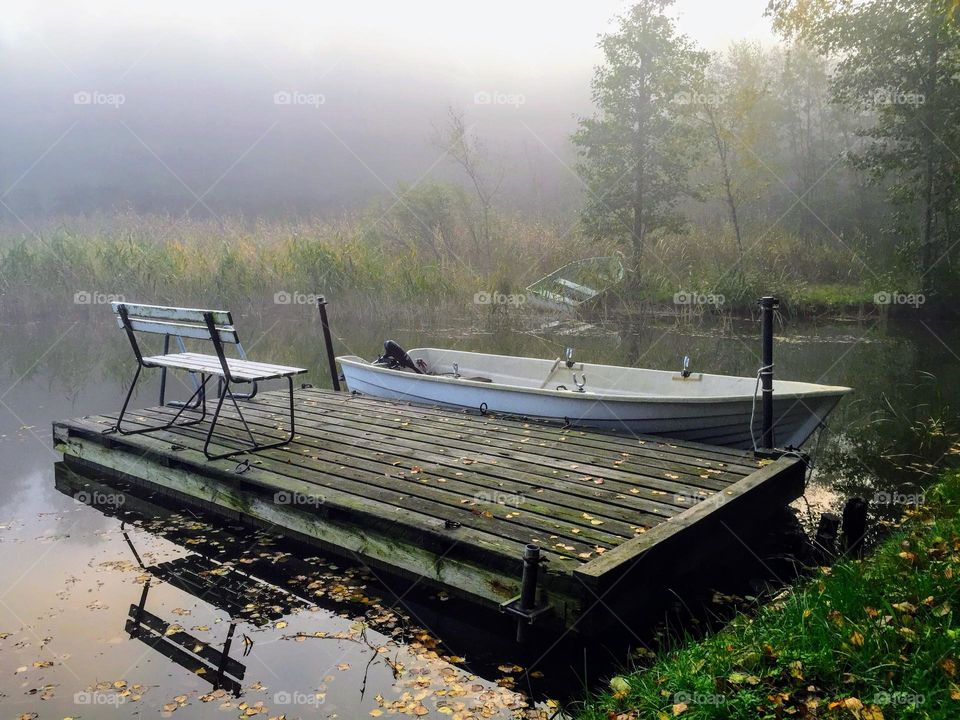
<point>220,601</point>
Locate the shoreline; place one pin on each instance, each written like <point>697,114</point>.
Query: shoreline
<point>867,639</point>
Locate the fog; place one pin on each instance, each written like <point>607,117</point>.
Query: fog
<point>303,108</point>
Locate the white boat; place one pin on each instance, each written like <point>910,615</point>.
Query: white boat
<point>714,409</point>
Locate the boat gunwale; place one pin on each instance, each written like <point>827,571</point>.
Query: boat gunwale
<point>821,391</point>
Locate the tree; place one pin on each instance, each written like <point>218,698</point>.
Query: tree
<point>637,150</point>
<point>737,109</point>
<point>898,62</point>
<point>467,150</point>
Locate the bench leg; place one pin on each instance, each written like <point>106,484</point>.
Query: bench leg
<point>197,400</point>
<point>254,445</point>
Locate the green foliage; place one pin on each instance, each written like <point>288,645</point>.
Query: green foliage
<point>898,67</point>
<point>871,639</point>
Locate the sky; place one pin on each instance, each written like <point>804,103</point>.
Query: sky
<point>180,92</point>
<point>530,34</point>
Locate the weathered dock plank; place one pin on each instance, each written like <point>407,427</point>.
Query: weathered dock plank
<point>449,496</point>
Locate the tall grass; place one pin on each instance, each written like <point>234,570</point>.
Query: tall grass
<point>394,259</point>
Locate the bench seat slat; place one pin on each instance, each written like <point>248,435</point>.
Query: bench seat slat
<point>227,334</point>
<point>174,314</point>
<point>210,365</point>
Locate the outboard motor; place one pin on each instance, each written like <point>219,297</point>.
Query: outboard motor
<point>395,356</point>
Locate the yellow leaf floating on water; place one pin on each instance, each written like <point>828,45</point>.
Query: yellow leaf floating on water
<point>376,713</point>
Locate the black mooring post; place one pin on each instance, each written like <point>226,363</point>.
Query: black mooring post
<point>825,544</point>
<point>328,341</point>
<point>854,526</point>
<point>528,586</point>
<point>767,305</point>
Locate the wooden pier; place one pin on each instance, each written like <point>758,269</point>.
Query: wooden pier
<point>454,497</point>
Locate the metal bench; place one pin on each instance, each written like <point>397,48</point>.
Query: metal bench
<point>215,326</point>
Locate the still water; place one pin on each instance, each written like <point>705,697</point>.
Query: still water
<point>116,605</point>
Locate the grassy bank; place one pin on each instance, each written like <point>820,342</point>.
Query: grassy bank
<point>391,258</point>
<point>870,639</point>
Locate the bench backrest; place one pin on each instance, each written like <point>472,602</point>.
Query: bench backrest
<point>213,325</point>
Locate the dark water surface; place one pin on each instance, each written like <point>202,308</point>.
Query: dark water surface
<point>319,637</point>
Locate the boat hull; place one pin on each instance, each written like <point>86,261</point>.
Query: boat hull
<point>725,422</point>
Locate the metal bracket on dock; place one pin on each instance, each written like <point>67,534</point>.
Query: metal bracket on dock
<point>513,607</point>
<point>524,606</point>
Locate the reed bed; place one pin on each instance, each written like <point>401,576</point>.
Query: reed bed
<point>387,260</point>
